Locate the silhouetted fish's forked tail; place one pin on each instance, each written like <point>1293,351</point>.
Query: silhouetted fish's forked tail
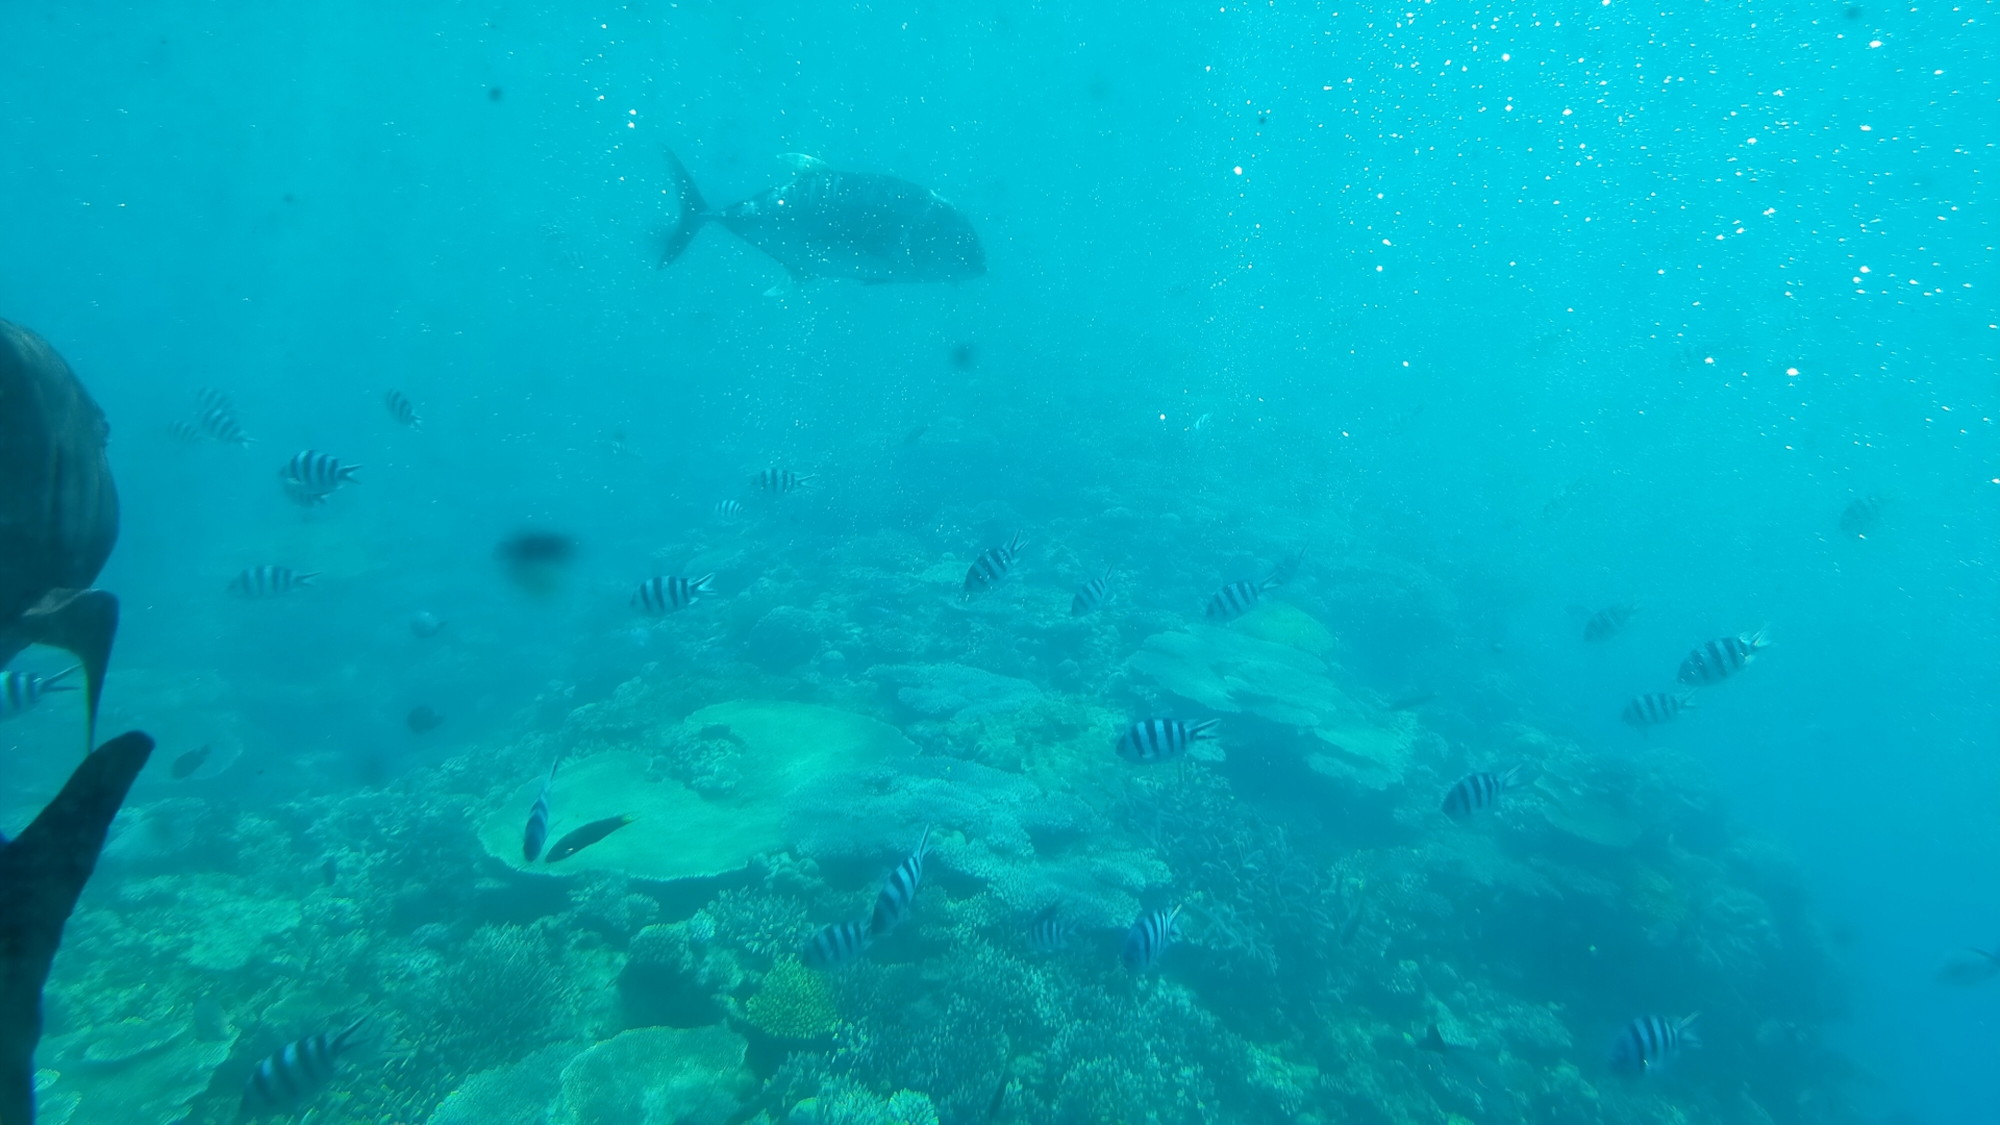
<point>83,623</point>
<point>694,212</point>
<point>41,874</point>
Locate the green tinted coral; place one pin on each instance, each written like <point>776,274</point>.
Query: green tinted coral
<point>793,1003</point>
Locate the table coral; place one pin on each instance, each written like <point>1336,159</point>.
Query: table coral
<point>656,1075</point>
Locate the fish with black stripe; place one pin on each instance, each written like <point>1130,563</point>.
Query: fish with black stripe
<point>293,1075</point>
<point>1161,740</point>
<point>728,509</point>
<point>899,894</point>
<point>780,480</point>
<point>317,472</point>
<point>269,581</point>
<point>1651,1042</point>
<point>537,832</point>
<point>1608,622</point>
<point>220,423</point>
<point>991,566</point>
<point>1477,792</point>
<point>1656,708</point>
<point>1091,595</point>
<point>20,691</point>
<point>837,944</point>
<point>402,409</point>
<point>660,596</point>
<point>1148,939</point>
<point>1238,598</point>
<point>1051,930</point>
<point>1712,662</point>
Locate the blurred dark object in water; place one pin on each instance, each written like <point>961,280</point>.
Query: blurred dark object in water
<point>424,624</point>
<point>1861,515</point>
<point>423,719</point>
<point>186,765</point>
<point>1966,968</point>
<point>534,560</point>
<point>583,837</point>
<point>1607,623</point>
<point>916,434</point>
<point>1445,1040</point>
<point>58,511</point>
<point>41,874</point>
<point>964,355</point>
<point>329,870</point>
<point>1412,701</point>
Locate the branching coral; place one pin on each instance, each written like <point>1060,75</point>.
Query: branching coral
<point>793,1002</point>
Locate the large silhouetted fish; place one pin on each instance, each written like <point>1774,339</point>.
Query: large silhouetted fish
<point>41,874</point>
<point>58,510</point>
<point>824,223</point>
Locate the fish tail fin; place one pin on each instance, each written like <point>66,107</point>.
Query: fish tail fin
<point>41,874</point>
<point>703,585</point>
<point>1760,639</point>
<point>1687,698</point>
<point>83,623</point>
<point>347,472</point>
<point>1688,1035</point>
<point>306,579</point>
<point>693,211</point>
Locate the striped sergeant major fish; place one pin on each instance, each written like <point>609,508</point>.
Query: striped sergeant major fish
<point>991,566</point>
<point>20,691</point>
<point>1050,930</point>
<point>1148,939</point>
<point>220,423</point>
<point>1237,598</point>
<point>728,509</point>
<point>293,1075</point>
<point>900,892</point>
<point>1160,740</point>
<point>1715,661</point>
<point>1608,622</point>
<point>660,596</point>
<point>269,581</point>
<point>213,398</point>
<point>1651,1042</point>
<point>180,429</point>
<point>1656,707</point>
<point>1477,792</point>
<point>780,480</point>
<point>537,832</point>
<point>1091,595</point>
<point>317,472</point>
<point>402,409</point>
<point>838,944</point>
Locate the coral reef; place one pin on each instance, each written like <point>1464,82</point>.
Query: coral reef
<point>793,1002</point>
<point>657,1076</point>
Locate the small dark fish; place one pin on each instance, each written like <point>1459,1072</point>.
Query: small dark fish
<point>900,892</point>
<point>964,356</point>
<point>288,1079</point>
<point>991,566</point>
<point>1159,740</point>
<point>402,409</point>
<point>534,560</point>
<point>20,691</point>
<point>187,764</point>
<point>269,581</point>
<point>581,838</point>
<point>1861,515</point>
<point>1286,570</point>
<point>661,596</point>
<point>221,424</point>
<point>1717,660</point>
<point>1656,707</point>
<point>1050,931</point>
<point>780,480</point>
<point>1607,623</point>
<point>1650,1042</point>
<point>317,472</point>
<point>1091,595</point>
<point>1437,1041</point>
<point>425,624</point>
<point>329,870</point>
<point>1476,792</point>
<point>837,944</point>
<point>916,434</point>
<point>537,831</point>
<point>1148,939</point>
<point>423,719</point>
<point>728,509</point>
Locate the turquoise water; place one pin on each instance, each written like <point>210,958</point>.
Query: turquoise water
<point>1494,312</point>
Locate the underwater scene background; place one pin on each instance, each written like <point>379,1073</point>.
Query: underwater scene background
<point>1482,328</point>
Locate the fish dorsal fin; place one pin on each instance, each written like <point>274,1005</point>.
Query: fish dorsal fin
<point>800,162</point>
